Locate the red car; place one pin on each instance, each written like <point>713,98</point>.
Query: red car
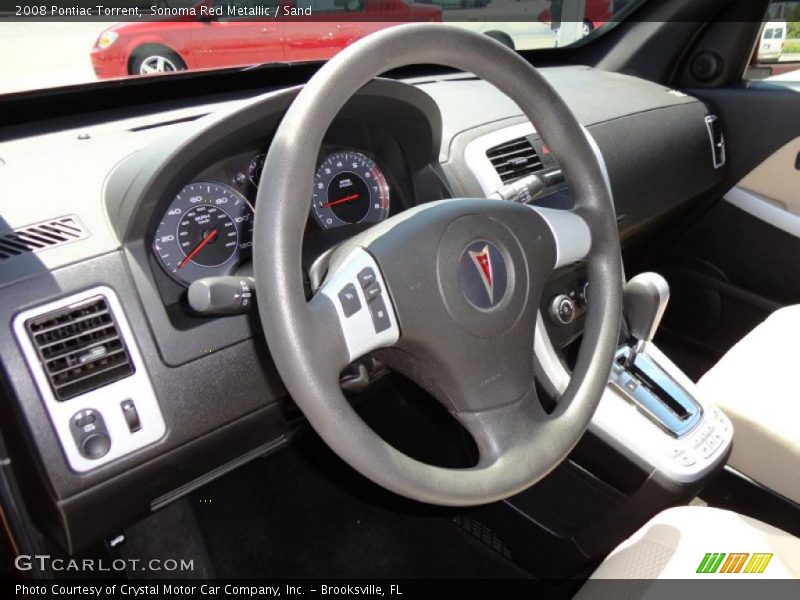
<point>199,40</point>
<point>595,14</point>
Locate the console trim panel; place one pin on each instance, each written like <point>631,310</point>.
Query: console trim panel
<point>621,424</point>
<point>106,400</point>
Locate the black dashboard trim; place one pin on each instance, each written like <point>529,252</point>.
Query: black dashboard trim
<point>248,407</point>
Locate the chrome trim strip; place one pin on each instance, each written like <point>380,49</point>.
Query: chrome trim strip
<point>710,120</point>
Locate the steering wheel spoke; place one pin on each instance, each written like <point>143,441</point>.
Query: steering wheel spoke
<point>570,232</point>
<point>362,305</point>
<point>507,430</point>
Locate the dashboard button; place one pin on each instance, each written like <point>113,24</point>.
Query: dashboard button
<point>562,310</point>
<point>87,419</point>
<point>349,299</point>
<point>583,295</point>
<point>95,446</point>
<point>131,416</point>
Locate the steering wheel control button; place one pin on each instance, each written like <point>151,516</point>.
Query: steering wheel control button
<point>131,415</point>
<point>348,296</point>
<point>95,445</point>
<point>373,291</point>
<point>483,275</point>
<point>356,281</point>
<point>380,316</point>
<point>562,310</point>
<point>366,277</point>
<point>90,434</point>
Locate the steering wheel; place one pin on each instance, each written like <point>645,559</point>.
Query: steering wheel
<point>450,289</point>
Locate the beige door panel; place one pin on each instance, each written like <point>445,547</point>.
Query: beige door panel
<point>777,179</point>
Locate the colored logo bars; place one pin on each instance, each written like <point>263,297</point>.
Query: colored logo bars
<point>742,562</point>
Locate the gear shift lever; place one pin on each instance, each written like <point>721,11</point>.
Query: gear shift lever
<point>645,301</point>
<point>637,374</point>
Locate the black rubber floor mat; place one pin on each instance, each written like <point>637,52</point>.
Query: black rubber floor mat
<point>303,513</point>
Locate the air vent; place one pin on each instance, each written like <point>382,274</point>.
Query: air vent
<point>717,140</point>
<point>80,348</point>
<point>41,236</point>
<point>514,160</point>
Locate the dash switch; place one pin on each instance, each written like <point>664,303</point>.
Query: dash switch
<point>131,415</point>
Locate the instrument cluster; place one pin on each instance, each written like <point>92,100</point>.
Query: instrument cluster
<point>207,229</point>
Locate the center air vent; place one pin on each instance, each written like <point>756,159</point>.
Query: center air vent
<point>80,348</point>
<point>515,159</point>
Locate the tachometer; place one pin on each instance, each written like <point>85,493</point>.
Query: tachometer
<point>206,231</point>
<point>349,188</point>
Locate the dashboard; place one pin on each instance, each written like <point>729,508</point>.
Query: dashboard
<point>166,198</point>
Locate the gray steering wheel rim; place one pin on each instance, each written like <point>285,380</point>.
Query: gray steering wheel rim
<point>298,336</point>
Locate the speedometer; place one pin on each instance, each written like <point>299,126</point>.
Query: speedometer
<point>349,188</point>
<point>206,231</point>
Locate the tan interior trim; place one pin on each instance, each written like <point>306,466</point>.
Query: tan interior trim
<point>777,179</point>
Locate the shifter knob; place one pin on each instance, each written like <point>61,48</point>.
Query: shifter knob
<point>645,301</point>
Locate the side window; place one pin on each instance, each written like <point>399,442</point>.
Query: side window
<point>776,55</point>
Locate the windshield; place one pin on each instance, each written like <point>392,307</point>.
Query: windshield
<point>45,46</point>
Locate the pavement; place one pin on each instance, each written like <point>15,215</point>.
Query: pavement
<point>41,55</point>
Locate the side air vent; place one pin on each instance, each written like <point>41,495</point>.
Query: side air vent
<point>80,348</point>
<point>717,140</point>
<point>514,160</point>
<point>41,236</point>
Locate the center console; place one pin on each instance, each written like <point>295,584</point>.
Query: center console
<point>654,441</point>
<point>651,412</point>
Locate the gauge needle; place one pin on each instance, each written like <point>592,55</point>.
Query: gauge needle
<point>212,234</point>
<point>340,201</point>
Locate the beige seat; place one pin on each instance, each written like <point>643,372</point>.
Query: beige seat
<point>757,384</point>
<point>675,542</point>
